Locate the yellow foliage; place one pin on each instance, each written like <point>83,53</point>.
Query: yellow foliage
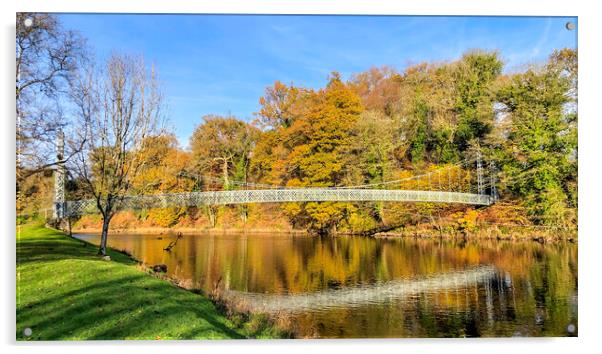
<point>166,217</point>
<point>359,222</point>
<point>468,220</point>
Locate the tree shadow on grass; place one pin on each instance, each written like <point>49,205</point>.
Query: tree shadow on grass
<point>126,307</point>
<point>59,247</point>
<point>73,294</point>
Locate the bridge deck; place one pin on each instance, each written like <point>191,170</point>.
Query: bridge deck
<point>281,196</point>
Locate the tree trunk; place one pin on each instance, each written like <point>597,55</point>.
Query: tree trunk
<point>244,214</point>
<point>381,213</point>
<point>69,226</point>
<point>104,235</point>
<point>211,212</point>
<point>225,171</point>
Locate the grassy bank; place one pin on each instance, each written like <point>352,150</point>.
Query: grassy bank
<point>66,292</point>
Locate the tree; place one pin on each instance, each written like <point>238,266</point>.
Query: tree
<point>119,107</point>
<point>280,105</point>
<point>166,168</point>
<point>223,144</point>
<point>426,114</point>
<point>373,143</point>
<point>443,107</point>
<point>47,60</point>
<point>536,147</point>
<point>474,75</point>
<point>314,150</point>
<point>378,89</point>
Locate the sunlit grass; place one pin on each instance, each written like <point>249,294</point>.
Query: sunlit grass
<point>66,292</point>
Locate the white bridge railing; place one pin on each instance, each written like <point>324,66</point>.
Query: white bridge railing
<point>279,196</point>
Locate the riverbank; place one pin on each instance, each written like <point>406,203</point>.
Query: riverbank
<point>506,220</point>
<point>65,291</point>
<point>486,232</point>
<point>187,230</point>
<point>519,233</point>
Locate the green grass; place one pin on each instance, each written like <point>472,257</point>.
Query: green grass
<point>66,292</point>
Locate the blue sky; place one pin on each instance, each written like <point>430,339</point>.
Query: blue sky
<point>221,64</point>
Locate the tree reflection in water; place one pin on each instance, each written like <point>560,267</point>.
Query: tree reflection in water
<point>362,287</point>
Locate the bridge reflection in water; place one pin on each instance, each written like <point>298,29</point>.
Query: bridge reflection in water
<point>360,296</point>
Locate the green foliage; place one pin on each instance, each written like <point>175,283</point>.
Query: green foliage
<point>419,141</point>
<point>474,75</point>
<point>538,145</point>
<point>373,145</point>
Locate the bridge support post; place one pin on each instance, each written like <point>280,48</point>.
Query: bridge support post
<point>479,173</point>
<point>493,181</point>
<point>59,180</point>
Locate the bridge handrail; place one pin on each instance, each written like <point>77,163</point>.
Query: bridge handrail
<point>188,199</point>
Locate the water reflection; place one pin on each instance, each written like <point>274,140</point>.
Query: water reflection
<point>364,287</point>
<point>360,296</point>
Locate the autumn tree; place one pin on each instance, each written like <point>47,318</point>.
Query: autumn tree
<point>281,105</point>
<point>222,146</point>
<point>166,168</point>
<point>119,107</point>
<point>378,88</point>
<point>314,150</point>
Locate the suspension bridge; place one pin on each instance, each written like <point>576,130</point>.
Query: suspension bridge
<point>467,182</point>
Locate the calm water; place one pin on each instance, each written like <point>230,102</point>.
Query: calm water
<point>362,287</point>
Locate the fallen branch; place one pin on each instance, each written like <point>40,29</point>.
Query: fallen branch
<point>173,243</point>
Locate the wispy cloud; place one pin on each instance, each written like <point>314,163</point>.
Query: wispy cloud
<point>543,40</point>
<point>221,64</point>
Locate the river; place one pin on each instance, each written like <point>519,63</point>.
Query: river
<point>349,287</point>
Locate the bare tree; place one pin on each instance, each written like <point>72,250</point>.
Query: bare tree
<point>47,59</point>
<point>119,106</point>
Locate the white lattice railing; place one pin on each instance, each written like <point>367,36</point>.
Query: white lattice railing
<point>79,207</point>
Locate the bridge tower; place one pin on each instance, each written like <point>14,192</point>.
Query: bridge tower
<point>59,179</point>
<point>493,181</point>
<point>479,173</point>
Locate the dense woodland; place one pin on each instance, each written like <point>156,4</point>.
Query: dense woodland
<point>376,126</point>
<point>383,125</point>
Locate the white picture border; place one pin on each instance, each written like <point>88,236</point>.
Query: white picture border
<point>590,152</point>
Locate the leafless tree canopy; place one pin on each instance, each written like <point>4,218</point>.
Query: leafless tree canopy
<point>119,106</point>
<point>47,59</point>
